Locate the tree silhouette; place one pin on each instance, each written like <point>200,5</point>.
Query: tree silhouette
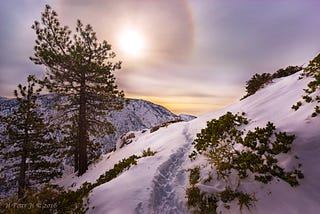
<point>79,67</point>
<point>29,148</point>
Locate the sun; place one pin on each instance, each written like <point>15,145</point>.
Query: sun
<point>132,42</point>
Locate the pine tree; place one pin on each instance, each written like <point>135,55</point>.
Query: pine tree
<point>28,146</point>
<point>79,67</point>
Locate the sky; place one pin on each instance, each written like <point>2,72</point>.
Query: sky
<point>190,56</point>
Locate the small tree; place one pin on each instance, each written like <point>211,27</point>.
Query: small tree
<point>256,82</point>
<point>81,68</point>
<point>29,149</point>
<point>284,72</point>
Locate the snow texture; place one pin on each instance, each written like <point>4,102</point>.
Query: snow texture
<point>157,184</point>
<point>135,116</point>
<point>169,176</point>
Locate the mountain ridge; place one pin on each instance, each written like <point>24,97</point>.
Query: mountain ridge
<point>136,115</point>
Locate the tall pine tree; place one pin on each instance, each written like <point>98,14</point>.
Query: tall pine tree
<point>28,146</point>
<point>80,68</point>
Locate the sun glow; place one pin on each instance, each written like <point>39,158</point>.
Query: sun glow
<point>132,43</point>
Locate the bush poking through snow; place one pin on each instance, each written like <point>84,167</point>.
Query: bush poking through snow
<point>244,199</point>
<point>48,199</point>
<point>148,152</point>
<point>312,93</point>
<point>53,199</point>
<point>165,124</point>
<point>235,156</point>
<point>200,202</point>
<point>194,175</point>
<point>126,139</point>
<point>223,128</point>
<point>284,72</point>
<point>297,106</point>
<point>117,169</point>
<point>258,81</point>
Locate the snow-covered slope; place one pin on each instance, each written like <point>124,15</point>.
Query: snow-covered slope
<point>157,184</point>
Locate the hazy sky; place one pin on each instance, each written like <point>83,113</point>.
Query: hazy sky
<point>196,54</point>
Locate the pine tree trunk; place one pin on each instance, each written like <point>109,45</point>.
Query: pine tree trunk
<point>22,184</point>
<point>22,180</point>
<point>76,154</point>
<point>83,131</point>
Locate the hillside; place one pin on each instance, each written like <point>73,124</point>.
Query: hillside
<point>157,184</point>
<point>136,115</point>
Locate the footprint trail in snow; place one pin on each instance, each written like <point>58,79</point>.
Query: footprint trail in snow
<point>170,175</point>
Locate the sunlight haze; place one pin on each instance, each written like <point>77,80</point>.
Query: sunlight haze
<point>189,56</point>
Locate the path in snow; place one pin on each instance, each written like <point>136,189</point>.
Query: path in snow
<point>164,196</point>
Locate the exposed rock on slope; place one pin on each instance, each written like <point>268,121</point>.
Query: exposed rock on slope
<point>135,116</point>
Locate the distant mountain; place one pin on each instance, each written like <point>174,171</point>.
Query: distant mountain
<point>139,115</point>
<point>186,117</point>
<point>136,115</point>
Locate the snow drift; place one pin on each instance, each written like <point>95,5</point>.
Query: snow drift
<point>157,184</point>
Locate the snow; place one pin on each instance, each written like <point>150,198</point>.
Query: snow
<point>136,115</point>
<point>157,184</point>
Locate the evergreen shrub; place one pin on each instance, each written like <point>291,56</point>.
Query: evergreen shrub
<point>257,160</point>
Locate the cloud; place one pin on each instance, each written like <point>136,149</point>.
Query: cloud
<point>167,24</point>
<point>252,34</point>
<point>197,51</point>
<point>16,42</point>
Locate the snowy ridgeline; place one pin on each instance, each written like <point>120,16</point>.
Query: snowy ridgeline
<point>157,184</point>
<point>136,115</point>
